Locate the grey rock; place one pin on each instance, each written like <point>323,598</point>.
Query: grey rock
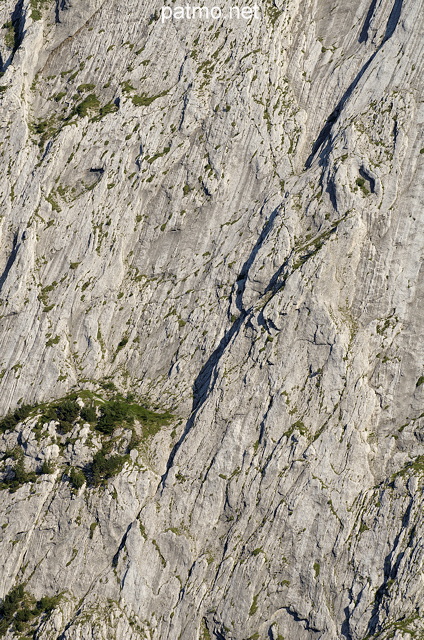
<point>232,229</point>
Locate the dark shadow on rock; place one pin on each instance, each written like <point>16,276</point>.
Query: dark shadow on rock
<point>202,386</point>
<point>363,36</point>
<point>11,260</point>
<point>393,20</point>
<point>242,277</point>
<point>18,23</point>
<point>325,133</point>
<point>391,566</point>
<point>345,629</point>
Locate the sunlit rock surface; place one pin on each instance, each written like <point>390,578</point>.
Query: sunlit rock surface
<point>225,219</point>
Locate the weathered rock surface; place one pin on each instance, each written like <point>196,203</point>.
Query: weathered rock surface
<point>225,218</point>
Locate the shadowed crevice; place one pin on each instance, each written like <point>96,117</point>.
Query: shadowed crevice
<point>10,261</point>
<point>391,566</point>
<point>18,22</point>
<point>240,283</point>
<point>345,628</point>
<point>208,375</point>
<point>297,618</point>
<point>393,20</point>
<point>363,36</point>
<point>115,559</point>
<point>325,132</point>
<point>57,12</point>
<point>203,385</point>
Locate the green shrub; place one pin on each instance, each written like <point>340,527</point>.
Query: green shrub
<point>47,468</point>
<point>41,126</point>
<point>76,478</point>
<point>24,615</point>
<point>65,412</point>
<point>90,103</point>
<point>104,467</point>
<point>254,607</point>
<point>127,87</point>
<point>112,414</point>
<point>134,442</point>
<point>109,107</point>
<point>108,385</point>
<point>151,420</point>
<point>12,601</point>
<point>19,626</point>
<point>88,414</point>
<point>118,411</point>
<point>144,100</point>
<point>361,184</point>
<point>47,604</point>
<point>82,88</point>
<point>19,476</point>
<point>68,410</point>
<point>11,33</point>
<point>122,343</point>
<point>16,610</point>
<point>12,419</point>
<point>19,609</point>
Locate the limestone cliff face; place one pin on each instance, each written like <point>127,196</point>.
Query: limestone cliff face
<point>224,219</point>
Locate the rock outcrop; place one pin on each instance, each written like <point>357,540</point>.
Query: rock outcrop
<point>220,219</point>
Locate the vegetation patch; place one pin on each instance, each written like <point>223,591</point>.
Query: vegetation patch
<point>119,411</point>
<point>51,341</point>
<point>12,419</point>
<point>105,466</point>
<point>415,466</point>
<point>144,100</point>
<point>67,411</point>
<point>158,155</point>
<point>296,426</point>
<point>135,421</point>
<point>51,199</point>
<point>21,613</point>
<point>17,476</point>
<point>76,478</point>
<point>360,182</point>
<point>109,107</point>
<point>254,606</point>
<point>272,12</point>
<point>37,6</point>
<point>311,248</point>
<point>46,129</point>
<point>83,88</point>
<point>89,104</point>
<point>11,36</point>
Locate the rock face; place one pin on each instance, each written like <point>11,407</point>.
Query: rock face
<point>225,219</point>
